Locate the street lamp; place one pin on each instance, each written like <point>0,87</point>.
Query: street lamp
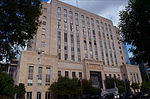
<point>39,51</point>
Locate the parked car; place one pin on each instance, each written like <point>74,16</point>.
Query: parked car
<point>108,96</point>
<point>88,96</point>
<point>125,96</point>
<point>146,95</point>
<point>138,95</point>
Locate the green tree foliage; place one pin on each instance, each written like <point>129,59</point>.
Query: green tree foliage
<point>66,88</point>
<point>109,83</point>
<point>19,21</point>
<point>20,90</point>
<point>121,89</point>
<point>145,86</point>
<point>7,87</point>
<point>135,86</point>
<point>87,88</point>
<point>134,27</point>
<point>123,86</point>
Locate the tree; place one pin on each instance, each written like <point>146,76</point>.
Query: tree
<point>135,86</point>
<point>87,88</point>
<point>134,28</point>
<point>66,88</point>
<point>19,21</point>
<point>123,86</point>
<point>7,87</point>
<point>109,83</point>
<point>20,90</point>
<point>121,89</point>
<point>145,86</point>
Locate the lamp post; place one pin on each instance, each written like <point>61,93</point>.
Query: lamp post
<point>39,51</point>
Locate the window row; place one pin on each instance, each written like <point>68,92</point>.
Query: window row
<point>117,76</point>
<point>134,77</point>
<point>74,75</point>
<point>39,94</point>
<point>31,74</point>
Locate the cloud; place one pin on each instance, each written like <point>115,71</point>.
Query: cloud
<point>112,14</point>
<point>106,8</point>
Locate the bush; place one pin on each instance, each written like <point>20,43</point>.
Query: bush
<point>66,88</point>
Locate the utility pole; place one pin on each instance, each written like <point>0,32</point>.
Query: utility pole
<point>39,51</point>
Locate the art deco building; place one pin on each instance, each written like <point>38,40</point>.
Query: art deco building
<point>75,43</point>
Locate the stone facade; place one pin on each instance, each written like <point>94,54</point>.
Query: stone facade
<point>72,47</point>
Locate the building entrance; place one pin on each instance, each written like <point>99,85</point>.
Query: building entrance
<point>96,79</point>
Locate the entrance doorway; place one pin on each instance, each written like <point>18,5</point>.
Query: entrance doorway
<point>96,79</point>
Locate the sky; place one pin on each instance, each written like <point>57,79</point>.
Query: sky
<point>106,8</point>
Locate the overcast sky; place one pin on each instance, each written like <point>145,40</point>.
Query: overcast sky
<point>106,8</point>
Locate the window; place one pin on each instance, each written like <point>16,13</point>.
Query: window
<point>43,29</point>
<point>120,52</point>
<point>94,37</point>
<point>30,76</point>
<point>106,53</point>
<point>100,40</point>
<point>91,52</point>
<point>38,95</point>
<point>45,10</point>
<point>119,76</point>
<point>105,75</point>
<point>110,75</point>
<point>59,13</point>
<point>43,44</point>
<point>117,38</point>
<point>59,74</point>
<point>65,36</point>
<point>88,28</point>
<point>59,33</point>
<point>122,57</point>
<point>47,95</point>
<point>80,75</point>
<point>73,74</point>
<point>44,17</point>
<point>131,77</point>
<point>66,56</point>
<point>47,76</point>
<point>40,76</point>
<point>43,35</point>
<point>29,95</point>
<point>65,15</point>
<point>66,74</point>
<point>84,37</point>
<point>71,36</point>
<point>77,36</point>
<point>106,28</point>
<point>137,78</point>
<point>44,22</point>
<point>114,75</point>
<point>85,49</point>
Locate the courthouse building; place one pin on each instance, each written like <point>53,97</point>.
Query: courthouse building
<point>75,43</point>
